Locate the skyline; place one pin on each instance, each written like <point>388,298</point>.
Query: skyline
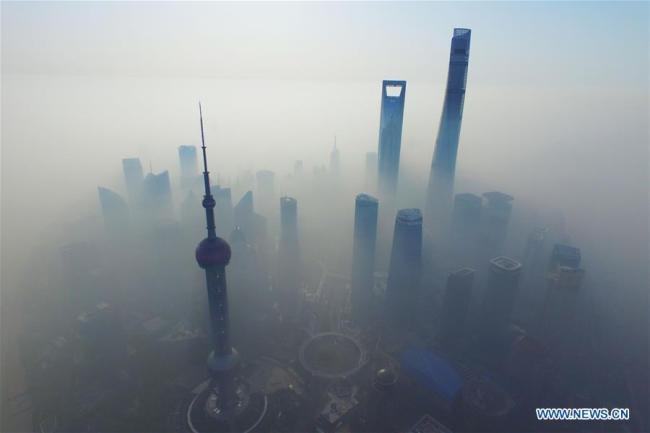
<point>298,119</point>
<point>342,266</point>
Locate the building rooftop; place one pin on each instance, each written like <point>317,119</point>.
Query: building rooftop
<point>463,272</point>
<point>497,197</point>
<point>366,199</point>
<point>468,199</point>
<point>409,216</point>
<point>506,264</point>
<point>566,255</point>
<point>288,201</point>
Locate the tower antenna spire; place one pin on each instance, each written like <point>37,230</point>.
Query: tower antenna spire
<point>208,200</point>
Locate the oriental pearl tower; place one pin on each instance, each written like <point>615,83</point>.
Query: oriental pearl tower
<point>224,403</point>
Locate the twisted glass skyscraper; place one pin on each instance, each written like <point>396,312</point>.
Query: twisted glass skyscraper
<point>443,167</point>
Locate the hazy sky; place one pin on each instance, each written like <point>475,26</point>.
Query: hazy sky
<point>556,109</point>
<point>558,43</point>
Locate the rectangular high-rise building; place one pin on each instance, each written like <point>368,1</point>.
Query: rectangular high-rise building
<point>189,165</point>
<point>495,217</point>
<point>393,94</point>
<point>564,255</point>
<point>403,285</point>
<point>133,178</point>
<point>455,306</point>
<point>114,210</point>
<point>561,304</point>
<point>289,272</point>
<point>223,212</point>
<point>157,195</point>
<point>443,166</point>
<point>289,227</point>
<point>499,297</point>
<point>250,222</point>
<point>363,256</point>
<point>466,214</point>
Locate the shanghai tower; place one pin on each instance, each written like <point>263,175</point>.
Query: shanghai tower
<point>390,134</point>
<point>443,167</point>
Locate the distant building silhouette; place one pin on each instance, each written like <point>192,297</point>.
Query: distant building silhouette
<point>495,217</point>
<point>499,298</point>
<point>189,165</point>
<point>133,178</point>
<point>534,247</point>
<point>157,195</point>
<point>564,255</point>
<point>466,214</point>
<point>223,210</point>
<point>289,255</point>
<point>560,307</point>
<point>115,211</point>
<point>251,223</point>
<point>443,167</point>
<point>393,94</point>
<point>298,168</point>
<point>335,161</point>
<point>455,306</point>
<point>363,256</point>
<point>403,284</point>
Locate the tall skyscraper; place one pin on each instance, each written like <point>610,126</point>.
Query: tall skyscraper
<point>564,280</point>
<point>225,404</point>
<point>114,210</point>
<point>363,256</point>
<point>455,306</point>
<point>443,167</point>
<point>252,223</point>
<point>289,245</point>
<point>223,210</point>
<point>466,214</point>
<point>335,160</point>
<point>289,255</point>
<point>189,165</point>
<point>564,255</point>
<point>403,284</point>
<point>393,94</point>
<point>561,303</point>
<point>495,217</point>
<point>157,194</point>
<point>297,167</point>
<point>499,297</point>
<point>133,177</point>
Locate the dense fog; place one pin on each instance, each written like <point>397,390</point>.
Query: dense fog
<point>564,131</point>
